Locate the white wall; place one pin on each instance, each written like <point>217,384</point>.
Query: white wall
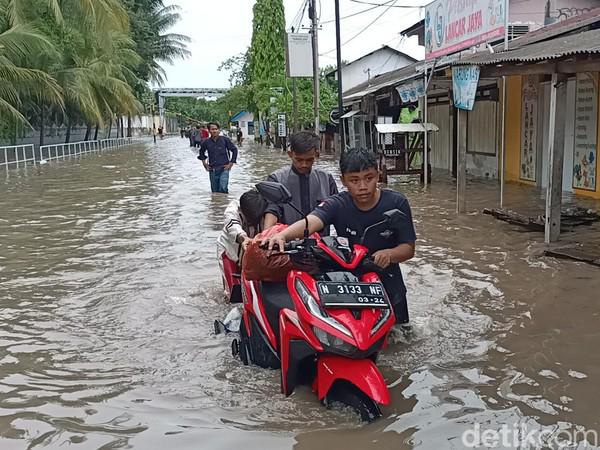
<point>381,61</point>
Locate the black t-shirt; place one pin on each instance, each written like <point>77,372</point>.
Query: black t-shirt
<point>351,222</point>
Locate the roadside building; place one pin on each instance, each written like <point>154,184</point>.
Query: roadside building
<point>244,120</point>
<point>551,117</point>
<point>369,66</point>
<point>378,100</point>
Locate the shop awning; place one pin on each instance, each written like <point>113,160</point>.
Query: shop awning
<point>386,128</point>
<point>353,113</point>
<point>583,43</point>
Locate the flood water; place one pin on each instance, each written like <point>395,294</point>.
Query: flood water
<point>109,287</point>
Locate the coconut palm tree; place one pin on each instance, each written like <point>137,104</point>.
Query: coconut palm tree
<point>151,21</point>
<point>20,81</point>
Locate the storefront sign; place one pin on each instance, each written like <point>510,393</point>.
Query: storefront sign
<point>453,25</point>
<point>281,125</point>
<point>529,125</point>
<point>464,86</point>
<point>411,91</point>
<point>586,132</point>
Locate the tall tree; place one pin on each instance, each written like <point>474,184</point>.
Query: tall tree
<point>150,22</point>
<point>267,52</point>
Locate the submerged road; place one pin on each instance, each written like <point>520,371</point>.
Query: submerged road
<point>109,287</point>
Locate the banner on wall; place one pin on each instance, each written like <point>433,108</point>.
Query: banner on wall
<point>586,132</point>
<point>411,91</point>
<point>529,121</point>
<point>453,25</point>
<point>464,86</point>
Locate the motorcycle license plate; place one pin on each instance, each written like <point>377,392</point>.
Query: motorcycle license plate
<point>352,295</point>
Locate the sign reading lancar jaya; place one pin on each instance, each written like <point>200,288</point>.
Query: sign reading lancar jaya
<point>453,25</point>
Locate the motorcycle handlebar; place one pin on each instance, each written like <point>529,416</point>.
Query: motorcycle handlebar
<point>290,248</point>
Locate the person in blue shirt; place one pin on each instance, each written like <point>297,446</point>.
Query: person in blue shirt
<point>352,211</point>
<point>222,155</point>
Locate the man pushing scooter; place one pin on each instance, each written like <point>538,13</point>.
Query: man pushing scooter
<point>352,211</point>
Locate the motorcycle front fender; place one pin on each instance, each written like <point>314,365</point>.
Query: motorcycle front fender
<point>363,373</point>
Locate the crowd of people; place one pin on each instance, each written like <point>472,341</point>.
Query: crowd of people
<point>315,193</point>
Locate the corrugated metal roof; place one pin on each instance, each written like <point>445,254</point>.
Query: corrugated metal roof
<point>585,42</point>
<point>383,80</point>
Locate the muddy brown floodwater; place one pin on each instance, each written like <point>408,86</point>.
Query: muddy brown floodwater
<point>109,287</point>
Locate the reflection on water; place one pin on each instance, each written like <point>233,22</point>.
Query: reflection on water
<point>108,289</point>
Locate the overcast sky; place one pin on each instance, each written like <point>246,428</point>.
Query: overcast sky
<point>220,29</point>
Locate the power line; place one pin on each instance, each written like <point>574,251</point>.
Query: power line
<point>297,21</point>
<point>400,41</point>
<point>385,4</point>
<point>357,13</point>
<point>365,28</point>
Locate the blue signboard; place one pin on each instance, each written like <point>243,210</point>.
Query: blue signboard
<point>464,86</point>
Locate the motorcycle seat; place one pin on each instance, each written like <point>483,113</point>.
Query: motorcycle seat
<point>275,297</point>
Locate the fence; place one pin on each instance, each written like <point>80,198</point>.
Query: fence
<point>21,155</point>
<point>17,155</point>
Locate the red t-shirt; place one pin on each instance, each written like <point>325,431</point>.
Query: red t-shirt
<point>204,133</point>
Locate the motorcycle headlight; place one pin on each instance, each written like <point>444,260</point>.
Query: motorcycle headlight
<point>333,342</point>
<point>385,315</point>
<point>315,309</point>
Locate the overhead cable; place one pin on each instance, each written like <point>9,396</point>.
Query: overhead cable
<point>365,28</point>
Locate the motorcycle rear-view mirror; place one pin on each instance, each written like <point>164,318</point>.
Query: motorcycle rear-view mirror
<point>394,216</point>
<point>274,192</point>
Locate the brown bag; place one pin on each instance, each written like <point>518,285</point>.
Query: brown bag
<point>257,265</point>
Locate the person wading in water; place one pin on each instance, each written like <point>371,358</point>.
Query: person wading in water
<point>222,155</point>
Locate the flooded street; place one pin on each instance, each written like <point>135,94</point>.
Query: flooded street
<point>109,287</point>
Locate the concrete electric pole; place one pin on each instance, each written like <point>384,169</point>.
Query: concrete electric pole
<point>312,14</point>
<point>338,48</point>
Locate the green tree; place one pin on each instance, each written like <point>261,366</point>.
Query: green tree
<point>238,68</point>
<point>150,22</point>
<point>81,61</point>
<point>267,53</point>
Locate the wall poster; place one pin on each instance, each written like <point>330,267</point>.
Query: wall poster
<point>586,131</point>
<point>529,126</point>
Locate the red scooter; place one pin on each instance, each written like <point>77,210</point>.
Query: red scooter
<point>323,328</point>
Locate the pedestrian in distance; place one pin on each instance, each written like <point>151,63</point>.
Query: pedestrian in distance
<point>204,134</point>
<point>192,135</point>
<point>221,154</point>
<point>198,137</point>
<point>160,132</point>
<point>240,136</point>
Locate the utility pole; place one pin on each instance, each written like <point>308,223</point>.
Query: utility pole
<point>153,123</point>
<point>294,105</point>
<point>312,14</point>
<point>294,102</point>
<point>338,44</point>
